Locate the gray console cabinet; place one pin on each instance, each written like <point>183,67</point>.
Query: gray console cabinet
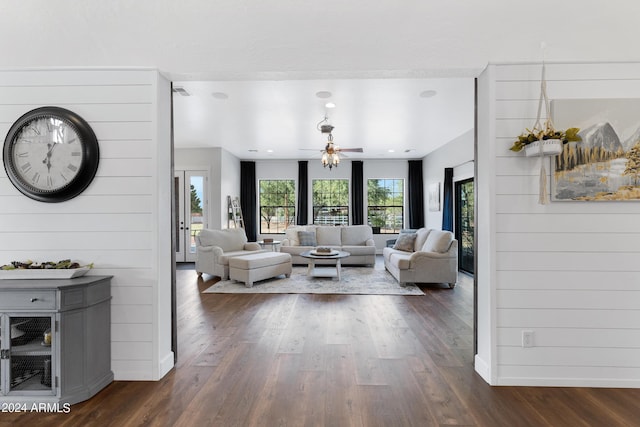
<point>71,364</point>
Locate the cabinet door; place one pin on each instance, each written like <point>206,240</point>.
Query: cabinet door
<point>29,356</point>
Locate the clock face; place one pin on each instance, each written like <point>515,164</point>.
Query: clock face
<point>51,154</point>
<point>47,154</point>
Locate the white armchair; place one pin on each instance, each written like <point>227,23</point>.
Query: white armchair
<point>215,247</point>
<point>432,258</point>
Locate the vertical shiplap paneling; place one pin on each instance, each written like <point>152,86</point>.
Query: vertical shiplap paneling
<point>567,271</point>
<point>111,223</point>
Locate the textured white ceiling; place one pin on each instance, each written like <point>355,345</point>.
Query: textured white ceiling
<point>267,44</point>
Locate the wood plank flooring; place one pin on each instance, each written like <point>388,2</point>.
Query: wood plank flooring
<point>332,360</point>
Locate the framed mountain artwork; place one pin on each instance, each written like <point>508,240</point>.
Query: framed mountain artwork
<point>605,165</point>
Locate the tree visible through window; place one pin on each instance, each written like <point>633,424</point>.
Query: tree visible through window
<point>330,201</point>
<point>385,210</point>
<point>277,205</point>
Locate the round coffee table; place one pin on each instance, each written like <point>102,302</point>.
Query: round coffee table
<point>313,271</point>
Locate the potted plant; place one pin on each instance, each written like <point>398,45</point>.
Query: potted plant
<point>377,221</point>
<point>547,141</point>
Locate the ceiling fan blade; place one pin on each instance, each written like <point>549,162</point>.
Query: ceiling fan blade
<point>310,149</point>
<point>351,150</point>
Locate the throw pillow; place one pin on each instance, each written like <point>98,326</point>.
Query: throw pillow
<point>307,238</point>
<point>405,242</point>
<point>438,241</point>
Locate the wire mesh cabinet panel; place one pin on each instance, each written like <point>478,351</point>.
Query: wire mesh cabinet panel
<point>28,354</point>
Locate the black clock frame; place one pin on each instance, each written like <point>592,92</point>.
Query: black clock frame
<point>90,155</point>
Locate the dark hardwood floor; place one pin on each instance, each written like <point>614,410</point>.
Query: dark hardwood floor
<point>332,360</point>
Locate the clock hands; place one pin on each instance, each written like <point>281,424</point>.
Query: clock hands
<point>59,136</point>
<point>47,160</point>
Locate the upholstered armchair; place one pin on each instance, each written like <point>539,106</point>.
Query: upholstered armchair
<point>426,256</point>
<point>215,247</point>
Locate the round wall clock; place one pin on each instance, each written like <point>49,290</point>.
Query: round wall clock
<point>51,154</point>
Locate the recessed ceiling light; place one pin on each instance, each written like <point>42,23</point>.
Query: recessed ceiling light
<point>330,105</point>
<point>253,150</point>
<point>391,150</point>
<point>323,94</point>
<point>220,95</point>
<point>428,93</point>
<point>269,151</point>
<point>408,150</point>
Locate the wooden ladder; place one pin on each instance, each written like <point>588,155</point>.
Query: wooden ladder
<point>235,213</point>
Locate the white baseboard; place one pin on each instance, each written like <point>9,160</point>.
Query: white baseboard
<point>568,382</point>
<point>166,364</point>
<point>482,368</point>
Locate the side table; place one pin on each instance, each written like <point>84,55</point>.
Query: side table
<point>274,244</point>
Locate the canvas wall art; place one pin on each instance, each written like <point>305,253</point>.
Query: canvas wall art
<point>605,165</point>
<point>434,197</point>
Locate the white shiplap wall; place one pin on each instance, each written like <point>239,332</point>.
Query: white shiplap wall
<point>114,223</point>
<point>567,271</point>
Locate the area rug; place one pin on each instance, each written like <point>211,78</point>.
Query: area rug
<point>354,280</point>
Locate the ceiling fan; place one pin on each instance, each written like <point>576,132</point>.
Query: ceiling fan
<point>330,155</point>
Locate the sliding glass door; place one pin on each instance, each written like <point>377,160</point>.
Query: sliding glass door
<point>465,224</point>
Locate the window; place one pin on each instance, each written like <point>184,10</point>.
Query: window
<point>385,210</point>
<point>277,205</point>
<point>330,201</point>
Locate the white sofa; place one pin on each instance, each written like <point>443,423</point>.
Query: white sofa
<point>432,257</point>
<point>215,247</point>
<point>355,239</point>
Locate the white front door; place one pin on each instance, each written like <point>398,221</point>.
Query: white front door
<point>192,205</point>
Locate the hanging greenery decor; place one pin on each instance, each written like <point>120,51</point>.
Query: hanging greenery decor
<point>533,135</point>
<point>544,140</point>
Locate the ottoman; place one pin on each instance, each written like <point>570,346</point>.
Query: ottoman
<point>259,266</point>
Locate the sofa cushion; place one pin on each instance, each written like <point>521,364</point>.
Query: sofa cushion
<point>329,236</point>
<point>307,238</point>
<point>405,242</point>
<point>401,259</point>
<point>438,241</point>
<point>359,250</point>
<point>230,239</point>
<point>355,235</point>
<point>225,257</point>
<point>421,237</point>
<point>291,234</point>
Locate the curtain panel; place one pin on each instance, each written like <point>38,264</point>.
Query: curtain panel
<point>302,212</point>
<point>357,193</point>
<point>415,188</point>
<point>447,200</point>
<point>248,199</point>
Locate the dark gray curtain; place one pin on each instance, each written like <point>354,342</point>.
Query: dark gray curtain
<point>415,187</point>
<point>357,193</point>
<point>302,212</point>
<point>248,198</point>
<point>447,200</point>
